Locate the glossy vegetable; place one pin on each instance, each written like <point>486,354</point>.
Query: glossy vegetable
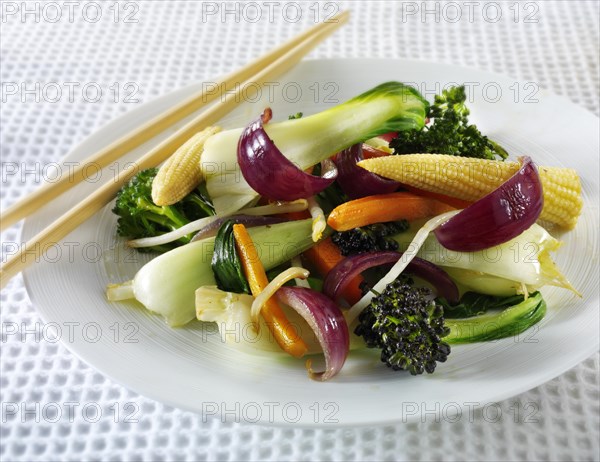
<point>493,326</point>
<point>370,238</point>
<point>384,208</point>
<point>140,217</point>
<point>324,256</point>
<point>295,272</point>
<point>327,322</point>
<point>523,263</point>
<point>349,268</point>
<point>474,304</point>
<point>207,222</point>
<point>249,221</point>
<point>269,172</point>
<point>357,182</point>
<point>472,179</point>
<point>166,285</point>
<point>498,217</point>
<point>181,173</point>
<point>319,221</point>
<point>285,333</point>
<point>231,313</point>
<point>226,264</point>
<point>391,106</point>
<point>450,132</point>
<point>396,270</point>
<point>407,325</point>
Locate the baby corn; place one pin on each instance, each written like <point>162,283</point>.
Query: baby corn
<point>470,179</point>
<point>181,173</point>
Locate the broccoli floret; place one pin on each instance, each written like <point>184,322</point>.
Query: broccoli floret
<point>450,132</point>
<point>140,217</point>
<point>407,325</point>
<point>371,238</point>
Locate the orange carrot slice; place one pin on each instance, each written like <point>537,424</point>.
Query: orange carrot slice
<point>383,208</point>
<point>285,334</point>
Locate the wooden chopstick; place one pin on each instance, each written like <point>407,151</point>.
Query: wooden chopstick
<point>148,130</point>
<point>33,249</point>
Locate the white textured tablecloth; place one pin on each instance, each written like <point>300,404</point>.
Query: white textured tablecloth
<point>135,51</point>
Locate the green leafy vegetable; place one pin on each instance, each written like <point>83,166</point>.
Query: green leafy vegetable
<point>297,115</point>
<point>494,326</point>
<point>474,304</point>
<point>391,106</point>
<point>226,263</point>
<point>450,132</point>
<point>140,217</point>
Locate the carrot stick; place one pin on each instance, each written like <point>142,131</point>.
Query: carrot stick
<point>285,334</point>
<point>382,208</point>
<point>324,256</point>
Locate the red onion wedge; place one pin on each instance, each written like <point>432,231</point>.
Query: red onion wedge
<point>269,172</point>
<point>326,320</point>
<point>357,182</point>
<point>498,217</point>
<point>339,277</point>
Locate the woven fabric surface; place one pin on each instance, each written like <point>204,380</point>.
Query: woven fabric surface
<point>136,51</point>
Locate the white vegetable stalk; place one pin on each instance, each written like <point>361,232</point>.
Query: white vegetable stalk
<point>119,292</point>
<point>167,284</point>
<point>391,106</point>
<point>231,313</point>
<point>269,209</point>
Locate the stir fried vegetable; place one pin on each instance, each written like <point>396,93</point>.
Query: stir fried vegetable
<point>139,217</point>
<point>324,257</point>
<point>285,334</point>
<point>391,106</point>
<point>382,208</point>
<point>166,285</point>
<point>450,133</point>
<point>523,262</point>
<point>464,259</point>
<point>407,326</point>
<point>370,238</point>
<point>226,263</point>
<point>181,173</point>
<point>472,179</point>
<point>493,326</point>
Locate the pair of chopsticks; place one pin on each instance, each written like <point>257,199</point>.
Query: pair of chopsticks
<point>269,66</point>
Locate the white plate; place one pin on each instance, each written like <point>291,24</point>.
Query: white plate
<point>190,368</point>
